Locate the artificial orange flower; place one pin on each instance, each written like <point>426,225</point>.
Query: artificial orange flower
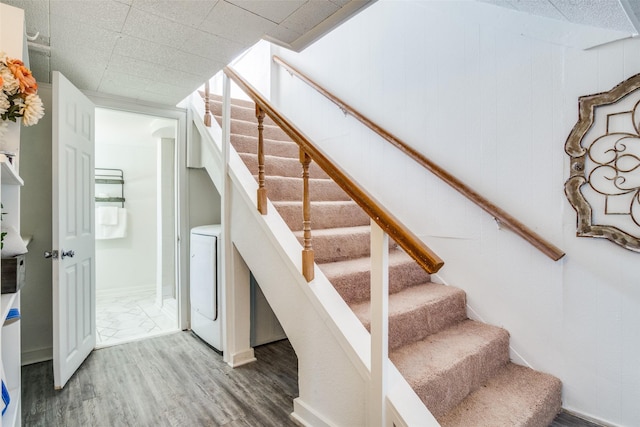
<point>26,80</point>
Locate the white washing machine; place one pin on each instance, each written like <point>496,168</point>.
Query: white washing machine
<point>206,316</point>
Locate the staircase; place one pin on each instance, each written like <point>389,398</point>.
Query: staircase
<point>460,368</point>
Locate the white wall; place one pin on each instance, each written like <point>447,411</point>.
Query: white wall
<point>492,103</point>
<point>124,141</point>
<point>35,201</point>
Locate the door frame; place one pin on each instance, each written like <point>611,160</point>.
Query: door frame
<point>180,115</point>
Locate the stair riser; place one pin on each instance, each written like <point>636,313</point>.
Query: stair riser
<point>281,166</point>
<point>238,112</point>
<point>240,109</point>
<point>241,127</point>
<point>449,388</point>
<point>355,287</point>
<point>249,145</point>
<point>247,114</point>
<point>323,216</point>
<point>341,247</point>
<point>290,189</point>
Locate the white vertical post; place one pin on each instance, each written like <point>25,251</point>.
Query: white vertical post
<point>379,324</point>
<point>227,297</point>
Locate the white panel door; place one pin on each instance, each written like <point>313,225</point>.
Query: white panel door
<point>74,283</point>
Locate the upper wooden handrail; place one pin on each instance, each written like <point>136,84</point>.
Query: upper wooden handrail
<point>502,217</point>
<point>408,241</point>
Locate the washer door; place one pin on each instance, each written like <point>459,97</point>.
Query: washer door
<point>203,275</point>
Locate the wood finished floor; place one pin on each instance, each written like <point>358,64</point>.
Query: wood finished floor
<point>173,380</point>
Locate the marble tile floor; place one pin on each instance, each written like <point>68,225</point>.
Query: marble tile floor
<point>125,318</point>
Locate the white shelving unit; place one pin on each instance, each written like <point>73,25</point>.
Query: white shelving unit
<point>10,183</point>
<point>13,42</point>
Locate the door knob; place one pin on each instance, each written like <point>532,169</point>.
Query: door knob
<point>65,254</point>
<point>51,254</point>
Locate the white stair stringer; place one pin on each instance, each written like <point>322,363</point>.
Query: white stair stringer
<point>332,346</point>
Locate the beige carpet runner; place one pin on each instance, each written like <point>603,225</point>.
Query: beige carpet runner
<point>460,368</point>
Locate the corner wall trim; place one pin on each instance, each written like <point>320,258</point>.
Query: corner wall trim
<point>36,356</point>
<point>242,358</point>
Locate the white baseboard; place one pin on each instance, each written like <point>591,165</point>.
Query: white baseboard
<point>305,415</point>
<point>242,358</point>
<point>36,356</point>
<point>108,292</point>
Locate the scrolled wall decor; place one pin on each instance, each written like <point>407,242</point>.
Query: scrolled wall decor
<point>604,150</point>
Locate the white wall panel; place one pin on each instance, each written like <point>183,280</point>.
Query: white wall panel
<point>493,102</point>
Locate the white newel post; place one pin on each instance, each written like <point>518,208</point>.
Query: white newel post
<point>379,324</point>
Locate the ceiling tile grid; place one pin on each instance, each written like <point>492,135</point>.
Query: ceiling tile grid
<point>158,50</point>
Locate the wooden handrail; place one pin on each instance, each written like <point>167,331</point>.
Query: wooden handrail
<point>502,217</point>
<point>408,241</point>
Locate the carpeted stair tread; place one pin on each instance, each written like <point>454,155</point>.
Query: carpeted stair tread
<point>289,188</point>
<point>323,214</point>
<point>419,311</point>
<point>516,396</point>
<point>446,367</point>
<point>281,166</point>
<point>352,278</point>
<point>338,244</point>
<point>249,144</point>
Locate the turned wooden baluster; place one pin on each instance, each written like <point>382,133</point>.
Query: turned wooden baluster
<point>262,191</point>
<point>307,251</point>
<point>207,107</point>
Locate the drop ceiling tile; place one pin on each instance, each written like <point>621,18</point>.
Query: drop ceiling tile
<point>86,77</point>
<point>156,29</point>
<point>191,12</point>
<point>69,35</point>
<point>169,75</point>
<point>161,98</point>
<point>134,67</point>
<point>143,49</point>
<point>236,24</point>
<point>121,83</point>
<point>274,10</point>
<point>283,34</point>
<point>534,7</point>
<point>213,47</point>
<point>168,89</point>
<point>107,14</point>
<point>340,3</point>
<point>310,15</point>
<point>194,64</point>
<point>602,13</point>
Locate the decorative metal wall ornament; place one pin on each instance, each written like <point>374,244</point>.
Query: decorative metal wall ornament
<point>604,150</point>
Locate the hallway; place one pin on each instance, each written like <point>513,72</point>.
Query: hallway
<point>173,380</point>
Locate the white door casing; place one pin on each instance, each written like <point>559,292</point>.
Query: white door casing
<point>74,277</point>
